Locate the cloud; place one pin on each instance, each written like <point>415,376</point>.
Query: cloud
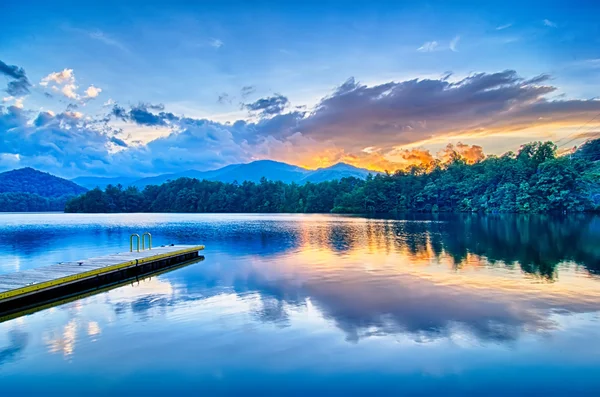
<point>20,83</point>
<point>64,77</point>
<point>393,113</point>
<point>429,46</point>
<point>104,38</point>
<point>247,90</point>
<point>454,43</point>
<point>216,43</point>
<point>470,154</point>
<point>68,90</point>
<point>269,106</point>
<point>65,143</point>
<point>224,98</point>
<point>92,92</point>
<point>97,35</point>
<point>141,114</point>
<point>64,82</point>
<point>118,142</point>
<point>549,23</point>
<point>502,27</point>
<point>394,120</point>
<point>19,102</point>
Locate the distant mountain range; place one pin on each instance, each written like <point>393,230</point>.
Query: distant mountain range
<point>253,172</point>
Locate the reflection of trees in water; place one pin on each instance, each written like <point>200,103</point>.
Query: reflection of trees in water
<point>535,243</point>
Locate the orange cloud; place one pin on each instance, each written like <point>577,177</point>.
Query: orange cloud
<point>399,159</point>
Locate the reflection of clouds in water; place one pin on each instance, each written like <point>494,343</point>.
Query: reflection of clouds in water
<point>93,328</point>
<point>383,302</point>
<point>17,342</point>
<point>426,281</point>
<point>64,341</point>
<point>366,295</point>
<point>141,296</point>
<point>271,310</point>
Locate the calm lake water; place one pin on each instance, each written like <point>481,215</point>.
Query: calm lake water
<point>297,303</point>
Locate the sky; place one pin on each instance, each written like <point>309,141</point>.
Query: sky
<point>143,88</point>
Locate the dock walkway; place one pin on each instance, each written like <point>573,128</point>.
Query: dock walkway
<point>55,281</point>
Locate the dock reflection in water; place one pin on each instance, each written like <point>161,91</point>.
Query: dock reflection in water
<point>285,302</point>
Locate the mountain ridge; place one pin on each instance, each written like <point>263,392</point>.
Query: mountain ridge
<point>44,184</point>
<point>27,189</point>
<point>253,172</point>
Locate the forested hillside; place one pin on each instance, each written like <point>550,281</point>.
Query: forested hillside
<point>534,180</point>
<point>27,189</point>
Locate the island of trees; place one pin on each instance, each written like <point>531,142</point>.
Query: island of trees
<point>533,180</point>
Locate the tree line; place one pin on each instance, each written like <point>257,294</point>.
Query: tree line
<point>533,180</point>
<point>31,202</point>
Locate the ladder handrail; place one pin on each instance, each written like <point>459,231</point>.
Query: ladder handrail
<point>131,242</point>
<point>149,240</point>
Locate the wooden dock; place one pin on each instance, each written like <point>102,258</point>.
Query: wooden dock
<point>44,284</point>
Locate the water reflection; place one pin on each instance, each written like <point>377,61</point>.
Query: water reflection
<point>536,244</point>
<point>282,283</point>
<point>17,341</point>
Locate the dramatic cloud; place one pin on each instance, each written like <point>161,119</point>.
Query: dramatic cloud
<point>269,106</point>
<point>64,143</point>
<point>20,83</point>
<point>382,127</point>
<point>395,114</point>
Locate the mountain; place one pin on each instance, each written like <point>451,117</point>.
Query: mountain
<point>253,172</point>
<point>160,179</point>
<point>337,171</point>
<point>27,189</point>
<point>92,182</point>
<point>28,180</point>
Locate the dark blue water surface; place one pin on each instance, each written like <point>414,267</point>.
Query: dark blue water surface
<point>293,304</point>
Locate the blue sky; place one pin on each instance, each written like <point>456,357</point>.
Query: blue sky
<point>249,80</point>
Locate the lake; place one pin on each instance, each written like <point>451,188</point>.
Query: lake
<point>300,303</point>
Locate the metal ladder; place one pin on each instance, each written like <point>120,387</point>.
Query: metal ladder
<point>138,241</point>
